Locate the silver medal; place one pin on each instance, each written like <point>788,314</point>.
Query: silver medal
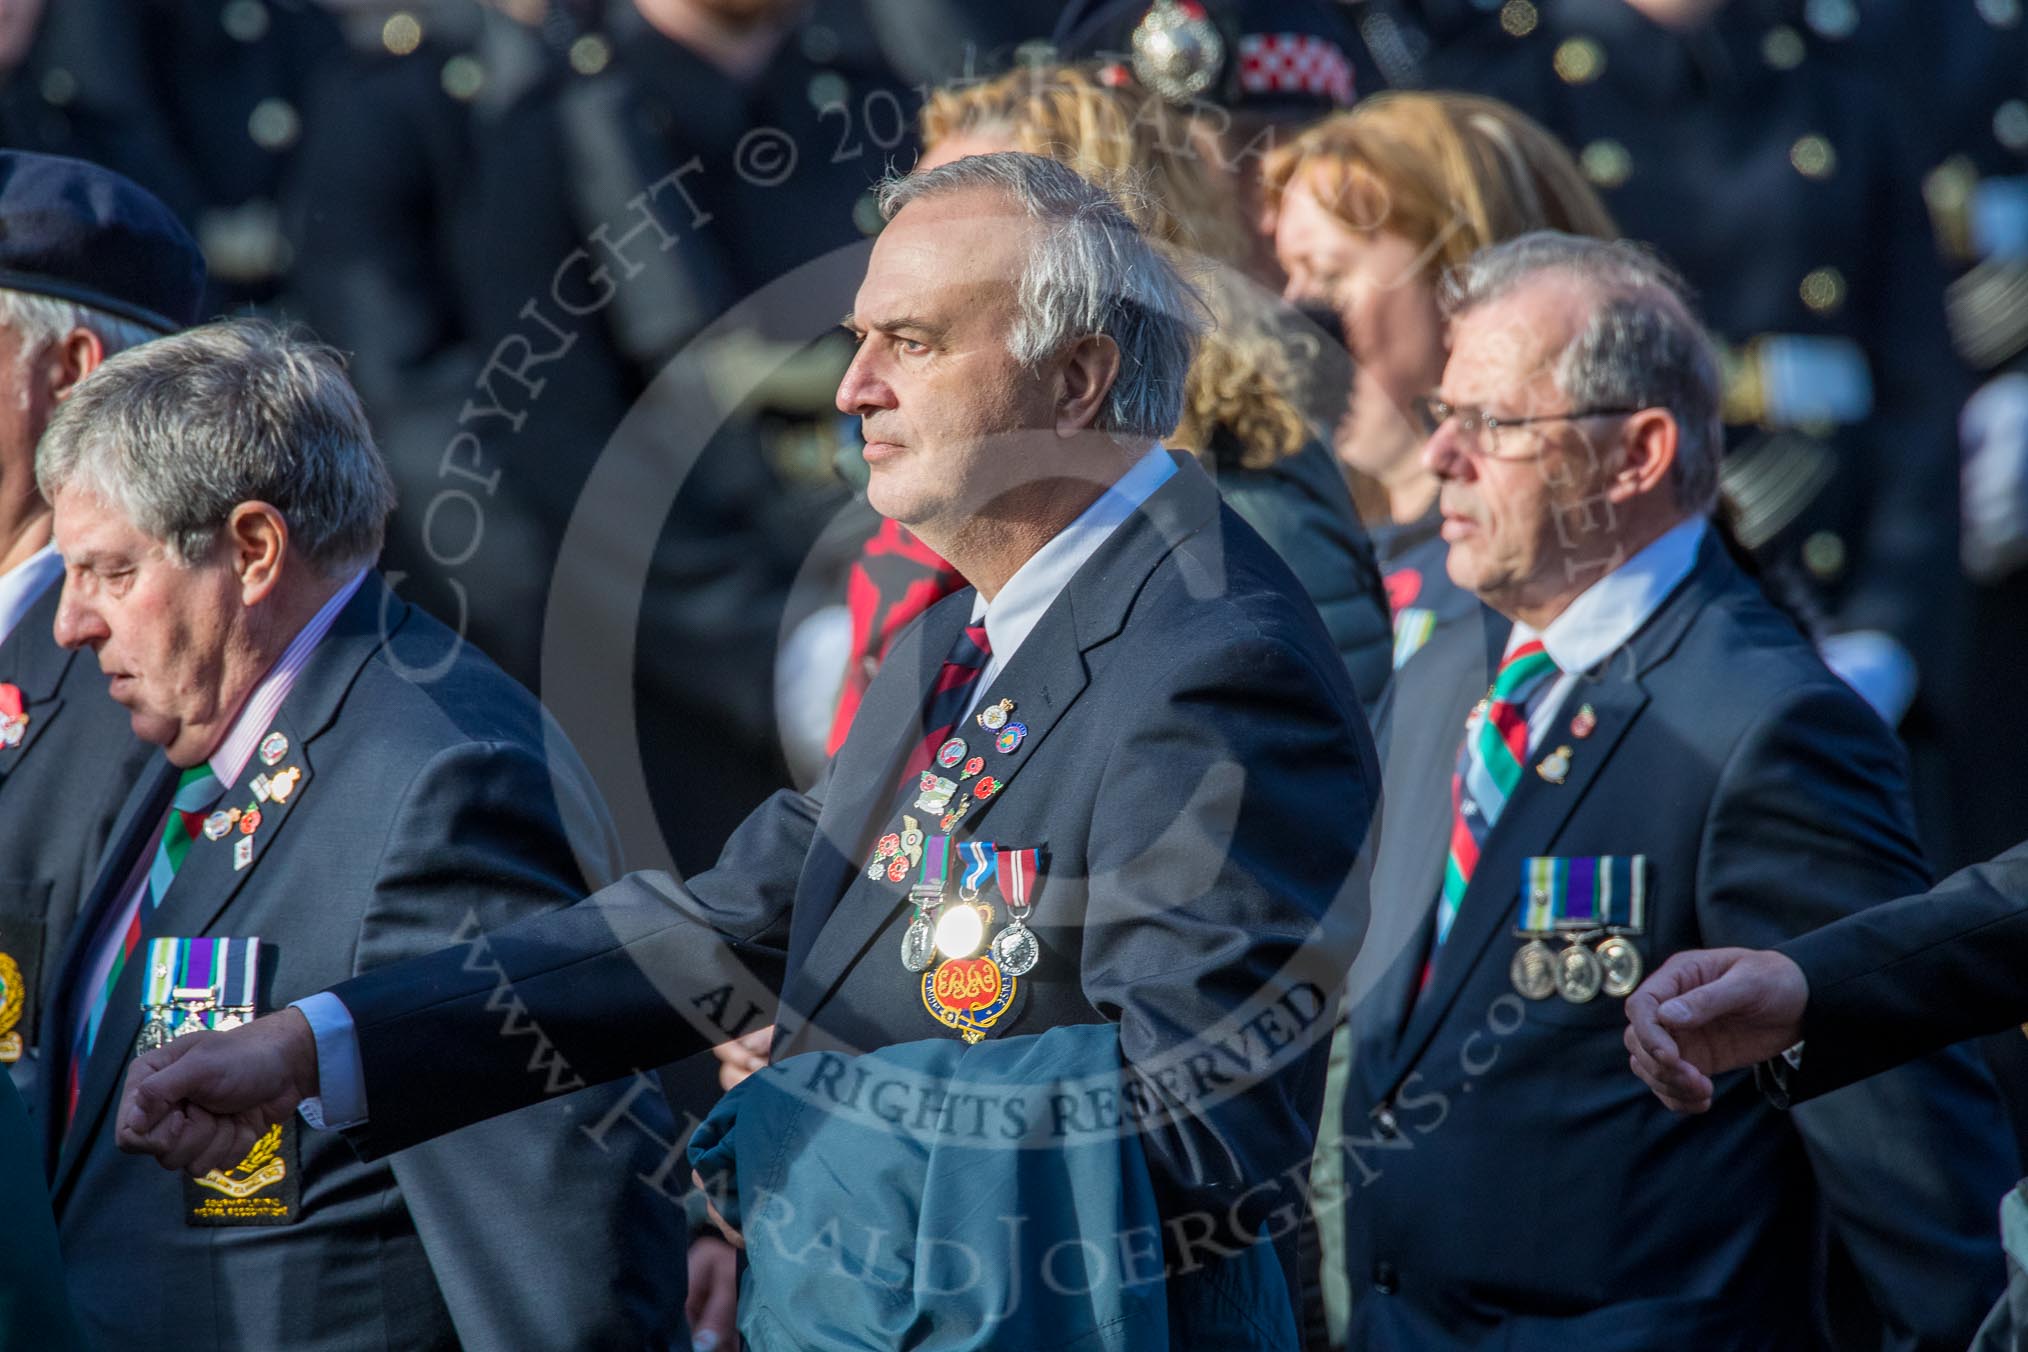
<point>918,945</point>
<point>1015,949</point>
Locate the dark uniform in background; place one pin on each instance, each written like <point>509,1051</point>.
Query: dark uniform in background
<point>694,188</point>
<point>200,102</point>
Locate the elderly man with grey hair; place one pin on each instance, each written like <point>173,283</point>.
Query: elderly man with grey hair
<point>340,784</point>
<point>1115,787</point>
<point>1662,762</point>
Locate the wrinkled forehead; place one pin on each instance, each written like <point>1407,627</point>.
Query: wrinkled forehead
<point>88,530</point>
<point>1509,347</point>
<point>946,253</point>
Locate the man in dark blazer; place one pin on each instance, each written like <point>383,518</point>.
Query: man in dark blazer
<point>1860,996</point>
<point>342,784</point>
<point>1134,690</point>
<point>91,264</point>
<point>1662,761</point>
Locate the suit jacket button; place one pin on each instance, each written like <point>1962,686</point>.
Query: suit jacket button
<point>1385,1279</point>
<point>1385,1121</point>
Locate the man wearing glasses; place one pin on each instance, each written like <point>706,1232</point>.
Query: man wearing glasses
<point>1661,762</point>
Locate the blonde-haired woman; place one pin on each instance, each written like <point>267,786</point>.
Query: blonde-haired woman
<point>1239,418</point>
<point>1370,208</point>
<point>1373,206</point>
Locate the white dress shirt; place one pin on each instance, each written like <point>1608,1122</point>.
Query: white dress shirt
<point>1606,616</point>
<point>1018,608</point>
<point>22,586</point>
<point>1009,618</point>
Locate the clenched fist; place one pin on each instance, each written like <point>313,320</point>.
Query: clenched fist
<point>200,1102</point>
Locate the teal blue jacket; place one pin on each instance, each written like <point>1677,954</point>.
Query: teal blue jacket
<point>931,1195</point>
<point>34,1310</point>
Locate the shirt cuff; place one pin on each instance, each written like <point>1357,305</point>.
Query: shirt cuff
<point>340,1076</point>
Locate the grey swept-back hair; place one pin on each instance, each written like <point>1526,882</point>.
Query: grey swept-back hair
<point>1092,273</point>
<point>1641,348</point>
<point>37,321</point>
<point>177,432</point>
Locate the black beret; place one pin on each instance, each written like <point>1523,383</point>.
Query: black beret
<point>83,233</point>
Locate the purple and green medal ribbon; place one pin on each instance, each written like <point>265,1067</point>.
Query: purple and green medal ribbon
<point>227,968</point>
<point>1585,892</point>
<point>935,868</point>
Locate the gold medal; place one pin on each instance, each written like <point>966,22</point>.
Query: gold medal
<point>1579,974</point>
<point>1533,970</point>
<point>1620,963</point>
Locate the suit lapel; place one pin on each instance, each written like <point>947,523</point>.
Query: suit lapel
<point>1043,678</point>
<point>33,661</point>
<point>213,871</point>
<point>132,833</point>
<point>861,788</point>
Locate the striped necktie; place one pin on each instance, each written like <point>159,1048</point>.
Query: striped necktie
<point>1489,767</point>
<point>949,697</point>
<point>196,790</point>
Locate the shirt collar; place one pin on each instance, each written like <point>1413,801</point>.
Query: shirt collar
<point>1612,610</point>
<point>1019,607</point>
<point>257,715</point>
<point>23,584</point>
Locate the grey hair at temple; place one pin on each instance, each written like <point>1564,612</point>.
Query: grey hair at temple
<point>177,432</point>
<point>38,321</point>
<point>1092,273</point>
<point>1641,348</point>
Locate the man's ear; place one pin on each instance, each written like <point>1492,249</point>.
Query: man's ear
<point>258,539</point>
<point>1090,367</point>
<point>1648,445</point>
<point>75,355</point>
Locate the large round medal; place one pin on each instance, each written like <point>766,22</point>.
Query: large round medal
<point>960,931</point>
<point>1015,949</point>
<point>1621,963</point>
<point>1579,974</point>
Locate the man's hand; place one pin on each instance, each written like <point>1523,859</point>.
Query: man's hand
<point>743,1056</point>
<point>713,1305</point>
<point>1706,1012</point>
<point>200,1102</point>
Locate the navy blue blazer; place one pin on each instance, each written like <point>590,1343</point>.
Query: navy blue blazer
<point>1196,770</point>
<point>1895,981</point>
<point>59,791</point>
<point>1512,1185</point>
<point>434,801</point>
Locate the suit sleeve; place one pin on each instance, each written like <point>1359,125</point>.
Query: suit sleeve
<point>1899,980</point>
<point>478,843</point>
<point>1225,903</point>
<point>1810,824</point>
<point>640,973</point>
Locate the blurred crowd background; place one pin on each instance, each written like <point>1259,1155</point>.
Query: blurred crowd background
<point>514,216</point>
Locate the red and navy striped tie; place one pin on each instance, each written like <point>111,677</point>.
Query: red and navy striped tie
<point>949,697</point>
